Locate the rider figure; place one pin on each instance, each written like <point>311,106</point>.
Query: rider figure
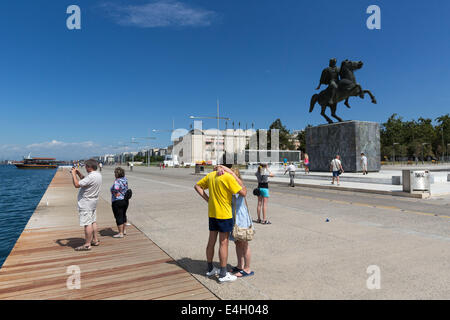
<point>330,77</point>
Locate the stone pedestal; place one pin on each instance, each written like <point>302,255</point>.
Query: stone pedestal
<point>348,139</point>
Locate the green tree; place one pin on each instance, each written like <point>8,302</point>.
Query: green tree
<point>139,158</point>
<point>302,138</point>
<point>392,131</point>
<point>414,138</point>
<point>427,136</point>
<point>443,134</point>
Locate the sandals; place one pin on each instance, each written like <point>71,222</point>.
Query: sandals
<point>95,244</point>
<point>83,248</point>
<point>118,235</point>
<point>263,221</point>
<point>235,270</point>
<point>245,274</point>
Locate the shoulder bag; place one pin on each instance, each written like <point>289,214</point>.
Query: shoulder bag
<point>128,194</point>
<point>243,234</point>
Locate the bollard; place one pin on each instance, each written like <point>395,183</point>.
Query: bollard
<point>397,180</point>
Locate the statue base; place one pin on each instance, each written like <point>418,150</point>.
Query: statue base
<point>348,139</point>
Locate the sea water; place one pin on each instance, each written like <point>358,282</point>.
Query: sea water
<point>20,193</point>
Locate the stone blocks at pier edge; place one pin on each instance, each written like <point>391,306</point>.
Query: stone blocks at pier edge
<point>348,139</point>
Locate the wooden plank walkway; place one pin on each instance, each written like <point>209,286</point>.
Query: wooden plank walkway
<point>129,268</point>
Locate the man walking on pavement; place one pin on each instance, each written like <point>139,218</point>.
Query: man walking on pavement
<point>364,163</point>
<point>336,168</point>
<point>291,169</point>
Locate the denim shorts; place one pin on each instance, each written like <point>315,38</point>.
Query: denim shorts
<point>335,173</point>
<point>221,225</point>
<point>264,192</point>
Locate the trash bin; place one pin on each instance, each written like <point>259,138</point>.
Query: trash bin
<point>416,181</point>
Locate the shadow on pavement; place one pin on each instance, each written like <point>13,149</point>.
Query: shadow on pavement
<point>195,266</point>
<point>109,232</point>
<point>70,242</point>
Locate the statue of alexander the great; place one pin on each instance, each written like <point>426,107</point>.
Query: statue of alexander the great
<point>330,77</point>
<point>341,85</point>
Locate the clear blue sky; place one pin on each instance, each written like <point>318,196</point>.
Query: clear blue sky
<point>135,65</point>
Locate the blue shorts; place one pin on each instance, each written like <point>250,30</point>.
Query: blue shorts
<point>335,173</point>
<point>221,225</point>
<point>264,192</point>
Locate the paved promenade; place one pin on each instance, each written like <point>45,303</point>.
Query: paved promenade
<point>301,256</point>
<point>129,268</point>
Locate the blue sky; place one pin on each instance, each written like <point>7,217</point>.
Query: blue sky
<point>135,65</point>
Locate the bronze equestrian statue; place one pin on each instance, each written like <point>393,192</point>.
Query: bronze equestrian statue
<point>341,85</point>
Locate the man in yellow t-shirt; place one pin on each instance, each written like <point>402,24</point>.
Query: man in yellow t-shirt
<point>222,184</point>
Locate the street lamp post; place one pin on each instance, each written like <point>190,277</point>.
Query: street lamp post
<point>148,149</point>
<point>171,131</point>
<point>423,145</point>
<point>132,153</point>
<point>448,144</point>
<point>393,150</point>
<point>121,154</point>
<point>218,129</point>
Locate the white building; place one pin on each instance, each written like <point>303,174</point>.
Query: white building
<point>198,146</point>
<point>108,159</point>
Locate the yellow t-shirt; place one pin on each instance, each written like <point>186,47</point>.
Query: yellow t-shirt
<point>221,190</point>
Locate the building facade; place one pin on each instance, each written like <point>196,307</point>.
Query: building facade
<point>209,145</point>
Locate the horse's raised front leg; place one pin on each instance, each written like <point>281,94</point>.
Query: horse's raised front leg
<point>333,112</point>
<point>371,95</point>
<point>324,115</point>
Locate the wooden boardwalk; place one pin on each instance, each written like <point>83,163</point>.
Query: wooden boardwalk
<point>129,268</point>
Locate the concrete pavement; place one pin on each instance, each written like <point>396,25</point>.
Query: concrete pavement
<point>301,256</point>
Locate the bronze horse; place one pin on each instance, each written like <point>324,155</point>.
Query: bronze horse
<point>347,87</point>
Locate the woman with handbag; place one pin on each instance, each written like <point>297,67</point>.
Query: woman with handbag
<point>119,199</point>
<point>243,232</point>
<point>263,175</point>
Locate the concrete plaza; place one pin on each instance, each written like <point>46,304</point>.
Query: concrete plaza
<point>301,256</point>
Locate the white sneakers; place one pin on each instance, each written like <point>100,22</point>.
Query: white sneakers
<point>228,277</point>
<point>215,271</point>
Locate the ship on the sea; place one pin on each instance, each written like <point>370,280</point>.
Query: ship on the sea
<point>36,163</point>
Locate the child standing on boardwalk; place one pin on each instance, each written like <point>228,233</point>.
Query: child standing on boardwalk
<point>242,219</point>
<point>221,185</point>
